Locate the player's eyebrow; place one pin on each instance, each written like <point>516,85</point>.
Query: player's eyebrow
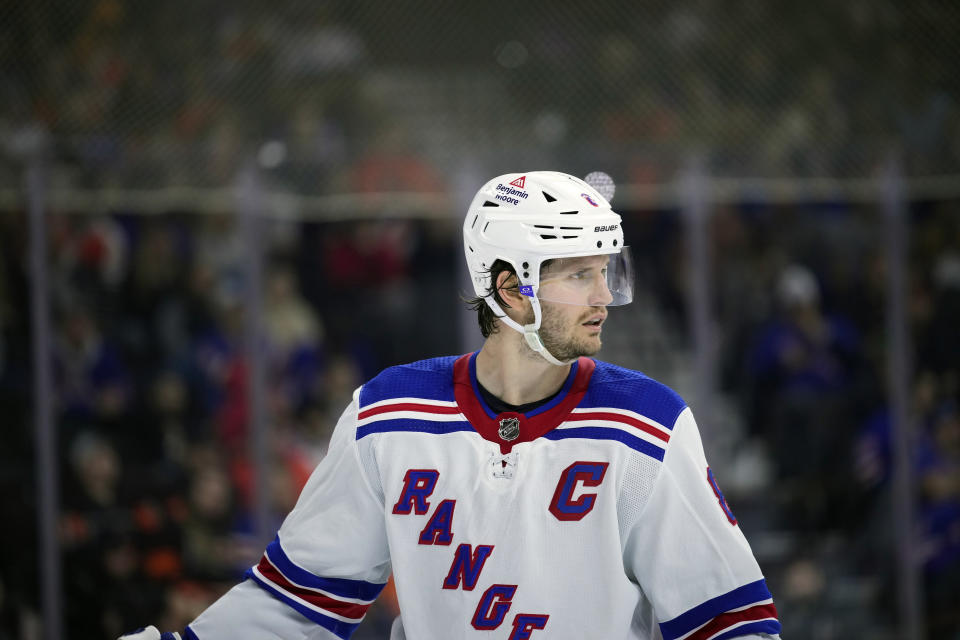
<point>574,264</point>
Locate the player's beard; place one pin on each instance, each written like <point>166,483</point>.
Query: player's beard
<point>557,333</point>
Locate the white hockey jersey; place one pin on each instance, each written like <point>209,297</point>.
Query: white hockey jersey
<point>594,516</point>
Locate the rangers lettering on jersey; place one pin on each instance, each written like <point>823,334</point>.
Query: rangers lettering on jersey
<point>524,624</point>
<point>418,484</point>
<point>438,530</point>
<point>468,562</point>
<point>466,567</point>
<point>494,605</point>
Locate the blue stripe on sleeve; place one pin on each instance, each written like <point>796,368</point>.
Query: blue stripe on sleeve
<point>189,634</point>
<point>414,425</point>
<point>760,626</point>
<point>701,614</point>
<point>341,629</point>
<point>603,433</point>
<point>342,587</point>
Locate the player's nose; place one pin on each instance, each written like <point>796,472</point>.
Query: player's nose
<point>600,295</point>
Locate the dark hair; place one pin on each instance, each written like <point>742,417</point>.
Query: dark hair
<point>486,318</point>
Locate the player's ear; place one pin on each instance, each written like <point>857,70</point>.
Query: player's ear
<point>508,286</point>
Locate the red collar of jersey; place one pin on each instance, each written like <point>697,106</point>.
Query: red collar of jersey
<point>531,427</point>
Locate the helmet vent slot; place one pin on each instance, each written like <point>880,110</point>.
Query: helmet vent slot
<point>543,226</point>
<point>549,197</point>
<point>572,228</point>
<point>490,204</point>
<point>485,226</point>
<point>474,223</point>
<point>570,237</point>
<point>569,213</point>
<point>546,237</point>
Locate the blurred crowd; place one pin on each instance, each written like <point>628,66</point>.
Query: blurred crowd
<point>800,298</point>
<point>138,94</point>
<point>152,398</point>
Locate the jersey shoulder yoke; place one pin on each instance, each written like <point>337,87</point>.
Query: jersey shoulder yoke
<point>619,388</point>
<point>430,379</point>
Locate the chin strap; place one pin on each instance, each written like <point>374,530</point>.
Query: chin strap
<point>530,331</point>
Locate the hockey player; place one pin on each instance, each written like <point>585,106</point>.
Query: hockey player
<point>523,491</point>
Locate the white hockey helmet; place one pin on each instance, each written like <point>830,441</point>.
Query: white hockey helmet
<point>526,219</point>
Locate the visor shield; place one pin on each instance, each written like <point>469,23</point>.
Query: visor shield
<point>588,281</point>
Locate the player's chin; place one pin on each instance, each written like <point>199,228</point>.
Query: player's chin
<point>590,346</point>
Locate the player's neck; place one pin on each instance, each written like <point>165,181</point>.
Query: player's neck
<point>506,369</point>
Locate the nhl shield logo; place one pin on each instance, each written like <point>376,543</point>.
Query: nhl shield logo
<point>509,429</point>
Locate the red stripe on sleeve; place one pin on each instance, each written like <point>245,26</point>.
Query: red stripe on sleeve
<point>724,620</point>
<point>407,406</point>
<point>345,609</point>
<point>619,417</point>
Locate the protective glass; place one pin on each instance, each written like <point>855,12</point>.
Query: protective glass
<point>601,280</point>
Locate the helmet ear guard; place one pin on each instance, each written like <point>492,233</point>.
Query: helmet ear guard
<point>528,219</point>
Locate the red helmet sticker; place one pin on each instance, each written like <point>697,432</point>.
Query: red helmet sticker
<point>519,181</point>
